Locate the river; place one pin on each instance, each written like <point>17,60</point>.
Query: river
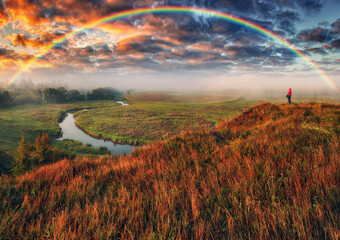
<point>72,132</point>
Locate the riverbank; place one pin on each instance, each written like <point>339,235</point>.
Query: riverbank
<point>73,132</point>
<point>146,122</point>
<point>34,119</point>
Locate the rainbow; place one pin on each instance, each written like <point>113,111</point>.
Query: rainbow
<point>177,9</point>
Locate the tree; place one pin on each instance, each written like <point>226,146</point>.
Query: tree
<point>49,95</point>
<point>23,157</point>
<point>43,151</point>
<point>61,95</point>
<point>5,98</point>
<point>75,95</point>
<point>103,94</point>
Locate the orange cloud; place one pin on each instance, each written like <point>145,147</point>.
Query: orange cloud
<point>119,28</point>
<point>39,42</point>
<point>3,16</point>
<point>11,59</point>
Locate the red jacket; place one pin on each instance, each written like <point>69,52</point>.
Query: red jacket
<point>290,92</point>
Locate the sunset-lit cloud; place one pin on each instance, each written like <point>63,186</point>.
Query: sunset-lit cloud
<point>164,42</point>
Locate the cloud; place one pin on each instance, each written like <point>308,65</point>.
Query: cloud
<point>310,5</point>
<point>335,43</point>
<point>336,26</point>
<point>6,53</point>
<point>315,35</point>
<point>328,35</point>
<point>9,59</point>
<point>3,12</point>
<point>142,44</point>
<point>25,41</point>
<point>285,21</point>
<point>318,50</point>
<point>161,41</point>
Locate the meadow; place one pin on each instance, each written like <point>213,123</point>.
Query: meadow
<point>271,172</point>
<point>34,119</point>
<point>76,148</point>
<point>155,116</point>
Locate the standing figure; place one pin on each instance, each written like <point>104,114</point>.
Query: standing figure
<point>289,95</point>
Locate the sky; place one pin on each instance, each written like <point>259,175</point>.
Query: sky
<point>171,51</point>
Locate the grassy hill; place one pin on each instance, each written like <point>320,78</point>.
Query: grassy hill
<point>272,172</point>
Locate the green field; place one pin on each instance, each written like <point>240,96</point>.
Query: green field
<point>73,148</point>
<point>34,119</point>
<point>151,117</point>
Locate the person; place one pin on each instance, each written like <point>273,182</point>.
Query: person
<point>289,95</point>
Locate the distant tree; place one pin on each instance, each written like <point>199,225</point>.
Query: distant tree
<point>75,95</point>
<point>23,157</point>
<point>24,96</point>
<point>103,94</point>
<point>43,151</point>
<point>55,95</point>
<point>61,95</point>
<point>49,95</point>
<point>5,98</point>
<point>35,96</point>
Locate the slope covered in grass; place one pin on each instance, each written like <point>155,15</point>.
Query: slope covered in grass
<point>271,172</point>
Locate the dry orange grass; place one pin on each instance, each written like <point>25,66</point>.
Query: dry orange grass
<point>272,172</point>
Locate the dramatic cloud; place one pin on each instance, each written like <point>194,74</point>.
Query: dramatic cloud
<point>9,58</point>
<point>336,26</point>
<point>3,13</point>
<point>162,42</point>
<point>335,43</point>
<point>328,35</point>
<point>319,50</point>
<point>25,41</point>
<point>316,35</point>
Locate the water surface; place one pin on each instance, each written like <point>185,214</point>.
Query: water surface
<point>72,132</point>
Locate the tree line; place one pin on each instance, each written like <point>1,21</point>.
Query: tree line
<point>19,96</point>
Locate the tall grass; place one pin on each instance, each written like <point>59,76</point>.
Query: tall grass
<point>272,172</point>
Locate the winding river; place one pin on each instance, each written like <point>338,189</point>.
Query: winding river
<point>72,132</point>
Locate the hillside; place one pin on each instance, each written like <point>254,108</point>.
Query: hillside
<point>272,172</point>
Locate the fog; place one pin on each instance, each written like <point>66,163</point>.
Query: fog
<point>236,83</point>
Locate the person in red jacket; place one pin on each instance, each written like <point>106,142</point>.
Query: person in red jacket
<point>289,95</point>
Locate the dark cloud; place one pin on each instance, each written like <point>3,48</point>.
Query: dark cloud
<point>142,44</point>
<point>336,26</point>
<point>38,42</point>
<point>3,12</point>
<point>9,54</point>
<point>286,21</point>
<point>35,11</point>
<point>328,35</point>
<point>318,50</point>
<point>335,43</point>
<point>316,35</point>
<point>314,5</point>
